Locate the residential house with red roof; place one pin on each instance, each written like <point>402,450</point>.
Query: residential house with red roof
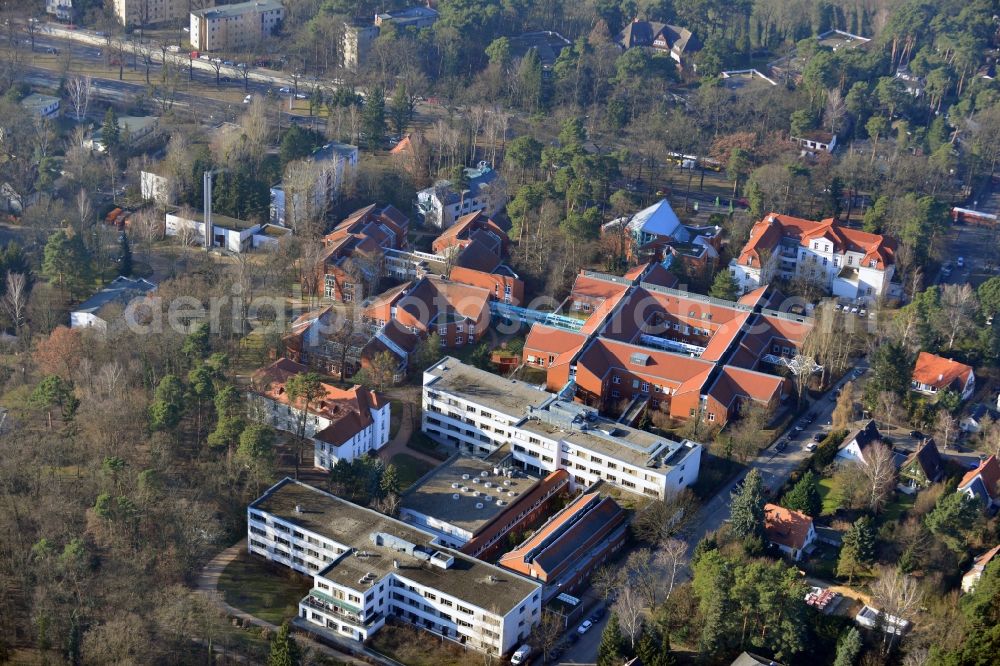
<point>849,263</point>
<point>979,565</point>
<point>342,423</point>
<point>458,313</point>
<point>933,373</point>
<point>791,531</point>
<point>353,253</point>
<point>574,542</point>
<point>678,42</point>
<point>657,234</point>
<point>983,483</point>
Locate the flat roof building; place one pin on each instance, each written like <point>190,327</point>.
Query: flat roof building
<point>475,501</point>
<point>235,27</point>
<point>477,412</point>
<point>368,567</point>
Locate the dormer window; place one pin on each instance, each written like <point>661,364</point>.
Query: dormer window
<point>873,263</point>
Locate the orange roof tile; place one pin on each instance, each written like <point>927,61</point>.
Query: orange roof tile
<point>939,372</point>
<point>988,473</point>
<point>786,527</point>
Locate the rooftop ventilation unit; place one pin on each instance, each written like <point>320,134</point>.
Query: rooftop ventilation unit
<point>488,498</point>
<point>455,496</point>
<point>456,485</point>
<point>511,493</point>
<point>465,477</point>
<point>465,489</point>
<point>488,484</point>
<point>475,480</point>
<point>298,508</point>
<point>479,505</point>
<point>506,482</point>
<point>501,503</point>
<point>484,474</point>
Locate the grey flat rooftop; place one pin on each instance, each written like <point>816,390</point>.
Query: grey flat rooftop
<point>606,437</point>
<point>120,290</point>
<point>218,220</point>
<point>510,396</point>
<point>480,584</point>
<point>435,495</point>
<point>238,8</point>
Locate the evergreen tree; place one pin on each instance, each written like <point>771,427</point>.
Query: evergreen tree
<point>804,496</point>
<point>197,345</point>
<point>373,118</point>
<point>389,483</point>
<point>724,286</point>
<point>168,404</point>
<point>611,652</point>
<point>111,132</point>
<point>951,519</point>
<point>399,109</point>
<point>654,647</point>
<point>65,261</point>
<point>748,508</point>
<point>284,649</point>
<point>848,648</point>
<point>124,255</point>
<point>857,550</point>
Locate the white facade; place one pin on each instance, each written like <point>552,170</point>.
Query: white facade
<point>43,106</point>
<point>61,9</point>
<point>842,273</point>
<point>929,389</point>
<point>154,187</point>
<point>440,205</point>
<point>235,27</point>
<point>331,168</point>
<point>358,609</point>
<point>601,451</point>
<point>145,12</point>
<point>326,454</point>
<point>229,238</point>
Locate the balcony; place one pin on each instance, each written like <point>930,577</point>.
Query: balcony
<point>339,609</point>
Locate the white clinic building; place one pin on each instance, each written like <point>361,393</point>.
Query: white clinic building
<point>368,567</point>
<point>477,412</point>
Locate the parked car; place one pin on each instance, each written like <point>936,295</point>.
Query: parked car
<point>585,627</point>
<point>799,427</point>
<point>229,63</point>
<point>248,99</point>
<point>961,262</point>
<point>946,269</point>
<point>818,437</point>
<point>811,446</point>
<point>781,445</point>
<point>284,91</point>
<point>598,614</point>
<point>916,434</point>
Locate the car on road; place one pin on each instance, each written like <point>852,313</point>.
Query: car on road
<point>228,63</point>
<point>585,627</point>
<point>916,434</point>
<point>799,427</point>
<point>597,614</point>
<point>818,437</point>
<point>961,262</point>
<point>284,91</point>
<point>248,99</point>
<point>811,446</point>
<point>300,96</point>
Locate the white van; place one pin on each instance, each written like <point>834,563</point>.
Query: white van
<point>521,655</point>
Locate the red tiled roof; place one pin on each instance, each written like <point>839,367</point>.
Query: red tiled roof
<point>661,277</point>
<point>736,383</point>
<point>553,342</point>
<point>433,298</point>
<point>988,472</point>
<point>661,368</point>
<point>786,527</point>
<point>586,286</point>
<point>767,234</point>
<point>939,372</point>
<point>753,297</point>
<point>984,559</point>
<point>349,410</point>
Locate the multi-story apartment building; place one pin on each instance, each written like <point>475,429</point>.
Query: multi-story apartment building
<point>489,499</point>
<point>850,263</point>
<point>61,9</point>
<point>342,424</point>
<point>359,37</point>
<point>368,567</point>
<point>478,412</point>
<point>145,12</point>
<point>443,203</point>
<point>235,27</point>
<point>312,184</point>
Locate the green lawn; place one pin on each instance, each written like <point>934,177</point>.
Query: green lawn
<point>413,647</point>
<point>830,492</point>
<point>395,417</point>
<point>409,469</point>
<point>266,591</point>
<point>894,510</point>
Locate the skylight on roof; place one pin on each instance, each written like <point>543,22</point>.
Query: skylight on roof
<point>639,358</point>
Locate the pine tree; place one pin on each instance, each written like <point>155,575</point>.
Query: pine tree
<point>724,286</point>
<point>858,549</point>
<point>125,255</point>
<point>284,650</point>
<point>848,648</point>
<point>373,118</point>
<point>111,132</point>
<point>654,647</point>
<point>804,496</point>
<point>389,483</point>
<point>748,508</point>
<point>399,109</point>
<point>611,650</point>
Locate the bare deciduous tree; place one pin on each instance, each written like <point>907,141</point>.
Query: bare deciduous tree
<point>945,427</point>
<point>606,580</point>
<point>958,304</point>
<point>629,609</point>
<point>670,558</point>
<point>898,595</point>
<point>880,471</point>
<point>15,300</point>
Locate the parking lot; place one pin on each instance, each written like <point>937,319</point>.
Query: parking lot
<point>977,246</point>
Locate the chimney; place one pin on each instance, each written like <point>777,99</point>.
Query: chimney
<point>941,377</point>
<point>298,508</point>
